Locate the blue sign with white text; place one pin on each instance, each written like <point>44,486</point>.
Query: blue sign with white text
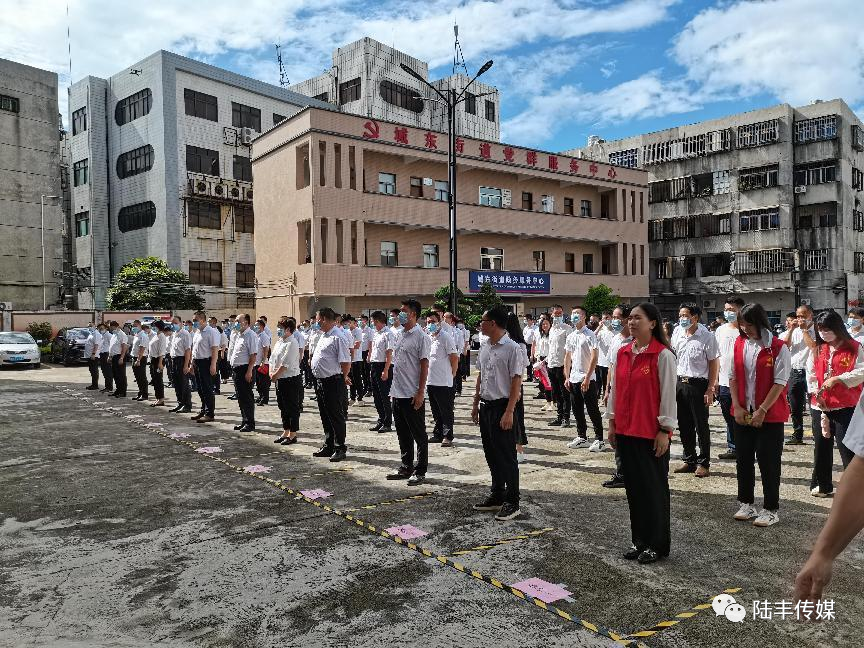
<point>533,283</point>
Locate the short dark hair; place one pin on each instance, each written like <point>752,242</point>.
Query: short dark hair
<point>260,321</point>
<point>498,314</point>
<point>379,316</point>
<point>529,316</point>
<point>857,311</point>
<point>735,301</point>
<point>807,306</point>
<point>327,313</point>
<point>246,317</point>
<point>624,308</point>
<point>791,315</point>
<point>692,307</point>
<point>414,305</point>
<point>755,314</point>
<point>200,313</point>
<point>394,311</point>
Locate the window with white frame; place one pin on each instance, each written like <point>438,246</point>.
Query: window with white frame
<point>539,260</point>
<point>816,259</point>
<point>430,255</point>
<point>442,190</point>
<point>757,134</point>
<point>585,208</point>
<point>491,258</point>
<point>387,183</point>
<point>490,196</point>
<point>628,158</point>
<point>762,261</point>
<point>815,129</point>
<point>756,220</point>
<point>721,182</point>
<point>758,177</point>
<point>815,173</point>
<point>389,253</point>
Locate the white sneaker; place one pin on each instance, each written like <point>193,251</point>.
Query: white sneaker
<point>766,518</point>
<point>746,512</point>
<point>815,492</point>
<point>578,442</point>
<point>597,446</point>
<point>520,457</point>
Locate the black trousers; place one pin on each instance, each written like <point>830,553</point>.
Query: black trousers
<point>559,392</point>
<point>647,487</point>
<point>499,447</point>
<point>823,449</point>
<point>797,396</point>
<point>288,392</point>
<point>602,374</point>
<point>306,370</point>
<point>441,401</point>
<point>381,393</point>
<point>140,373</point>
<point>245,397</point>
<point>332,402</point>
<point>182,388</point>
<point>367,378</point>
<point>225,369</point>
<point>590,401</point>
<point>358,377</point>
<point>118,370</point>
<point>93,366</point>
<point>465,363</point>
<point>411,430</point>
<point>693,420</point>
<point>156,378</point>
<point>262,384</point>
<point>107,372</point>
<point>205,386</point>
<point>765,444</point>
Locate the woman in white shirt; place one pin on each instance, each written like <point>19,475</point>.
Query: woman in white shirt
<point>158,348</point>
<point>539,351</point>
<point>285,372</point>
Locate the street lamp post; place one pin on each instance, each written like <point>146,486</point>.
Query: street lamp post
<point>451,100</point>
<point>42,228</point>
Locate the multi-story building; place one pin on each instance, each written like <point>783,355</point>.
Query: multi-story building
<point>352,213</point>
<point>367,79</point>
<point>161,167</point>
<point>31,214</point>
<point>765,204</point>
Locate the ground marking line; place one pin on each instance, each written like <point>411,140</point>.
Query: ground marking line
<point>687,614</point>
<point>401,500</point>
<point>503,541</point>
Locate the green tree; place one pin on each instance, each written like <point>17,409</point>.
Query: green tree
<point>600,298</point>
<point>464,307</point>
<point>148,283</point>
<point>40,331</point>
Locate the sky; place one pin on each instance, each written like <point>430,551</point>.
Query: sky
<point>566,69</point>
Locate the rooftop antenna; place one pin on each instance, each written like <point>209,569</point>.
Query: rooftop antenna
<point>283,78</point>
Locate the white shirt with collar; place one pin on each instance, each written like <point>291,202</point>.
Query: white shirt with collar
<point>118,339</point>
<point>263,343</point>
<point>726,336</point>
<point>604,336</point>
<point>498,364</point>
<point>158,346</point>
<point>752,348</point>
<point>202,342</point>
<point>667,417</point>
<point>694,351</point>
<point>330,352</point>
<point>368,336</point>
<point>286,353</point>
<point>798,349</point>
<point>382,342</point>
<point>409,348</point>
<point>357,336</point>
<point>93,343</point>
<point>181,342</point>
<point>244,345</point>
<point>105,345</point>
<point>440,370</point>
<point>557,339</point>
<point>581,343</point>
<point>140,340</point>
<point>529,332</point>
<point>300,338</point>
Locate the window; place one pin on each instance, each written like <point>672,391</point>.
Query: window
<point>205,273</point>
<point>527,200</point>
<point>201,160</point>
<point>627,158</point>
<point>203,214</point>
<point>857,179</point>
<point>490,196</point>
<point>687,147</point>
<point>387,183</point>
<point>678,228</point>
<point>655,230</point>
<point>352,168</point>
<point>245,275</point>
<point>349,91</point>
<point>755,220</point>
<point>490,110</point>
<point>585,208</point>
<point>337,165</point>
<point>82,224</point>
<point>713,224</point>
<point>340,240</point>
<point>716,265</point>
<point>325,226</point>
<point>816,259</point>
<point>588,263</point>
<point>389,254</point>
<point>547,204</point>
<point>244,219</point>
<point>10,104</point>
<point>604,205</point>
<point>278,119</point>
<point>817,215</point>
<point>324,96</point>
<point>79,121</point>
<point>857,220</point>
<point>200,105</point>
<point>569,262</point>
<point>815,173</point>
<point>401,96</point>
<point>417,187</point>
<point>79,173</point>
<point>762,261</point>
<point>661,268</point>
<point>470,103</point>
<point>133,107</point>
<point>568,206</point>
<point>859,262</point>
<point>137,216</point>
<point>539,260</point>
<point>817,128</point>
<point>720,182</point>
<point>322,163</point>
<point>757,134</point>
<point>668,190</point>
<point>758,177</point>
<point>135,161</point>
<point>242,168</point>
<point>442,190</point>
<point>491,258</point>
<point>245,116</point>
<point>689,267</point>
<point>430,255</point>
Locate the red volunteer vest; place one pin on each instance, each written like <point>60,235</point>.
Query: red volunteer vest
<point>637,391</point>
<point>845,356</point>
<point>779,412</point>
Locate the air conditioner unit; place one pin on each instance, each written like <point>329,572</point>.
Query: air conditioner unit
<point>198,187</point>
<point>249,195</point>
<point>5,306</point>
<point>246,135</point>
<point>805,301</point>
<point>709,303</point>
<point>219,189</point>
<point>235,193</point>
<point>801,189</point>
<point>427,182</point>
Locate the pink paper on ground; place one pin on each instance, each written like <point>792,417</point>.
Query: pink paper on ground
<point>542,590</point>
<point>406,532</point>
<point>209,450</point>
<point>180,435</point>
<point>315,494</point>
<point>257,468</point>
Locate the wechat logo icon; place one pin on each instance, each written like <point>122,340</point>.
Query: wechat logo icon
<point>725,605</point>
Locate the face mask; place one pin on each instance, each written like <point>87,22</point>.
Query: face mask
<point>461,327</point>
<point>853,322</point>
<point>403,318</point>
<point>558,320</point>
<point>615,325</point>
<point>432,328</point>
<point>575,317</point>
<point>236,326</point>
<point>196,325</point>
<point>256,328</point>
<point>731,316</point>
<point>175,327</point>
<point>345,327</point>
<point>684,322</point>
<point>280,331</point>
<point>391,320</point>
<point>316,326</point>
<point>362,324</point>
<point>828,336</point>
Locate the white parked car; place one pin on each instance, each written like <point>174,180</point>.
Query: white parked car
<point>19,348</point>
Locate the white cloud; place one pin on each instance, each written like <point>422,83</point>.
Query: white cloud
<point>795,50</point>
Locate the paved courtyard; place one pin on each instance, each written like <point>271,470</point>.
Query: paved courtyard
<point>117,530</point>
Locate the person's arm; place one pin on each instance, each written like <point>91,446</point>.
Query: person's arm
<point>845,521</point>
<point>668,370</point>
<point>475,408</point>
<point>385,373</point>
<point>454,363</point>
<point>214,359</point>
<point>851,378</point>
<point>123,349</point>
<point>187,360</point>
<point>713,373</point>
<point>420,395</point>
<point>568,361</point>
<point>515,394</point>
<point>592,365</point>
<point>808,339</point>
<point>250,366</point>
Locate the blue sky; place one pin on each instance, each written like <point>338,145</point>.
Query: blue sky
<point>565,68</point>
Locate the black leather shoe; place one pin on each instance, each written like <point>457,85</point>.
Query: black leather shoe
<point>186,410</point>
<point>402,473</point>
<point>339,455</point>
<point>385,428</point>
<point>632,553</point>
<point>375,428</point>
<point>240,427</point>
<point>615,482</point>
<point>648,556</point>
<point>325,452</point>
<point>176,409</point>
<point>92,387</point>
<point>436,439</point>
<point>287,441</point>
<point>244,428</point>
<point>554,423</point>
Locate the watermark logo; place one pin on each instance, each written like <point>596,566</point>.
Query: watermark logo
<point>726,605</point>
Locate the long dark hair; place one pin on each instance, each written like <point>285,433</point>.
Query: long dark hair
<point>653,315</point>
<point>831,320</point>
<point>513,328</point>
<point>756,316</point>
<point>545,317</point>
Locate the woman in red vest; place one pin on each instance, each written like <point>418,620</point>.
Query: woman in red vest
<point>642,416</point>
<point>760,368</point>
<point>835,373</point>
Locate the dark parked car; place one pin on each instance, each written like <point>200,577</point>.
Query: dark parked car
<point>68,346</point>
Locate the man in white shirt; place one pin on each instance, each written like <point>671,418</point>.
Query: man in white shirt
<point>800,339</point>
<point>698,360</point>
<point>726,336</point>
<point>443,365</point>
<point>117,352</point>
<point>580,361</point>
<point>380,359</point>
<point>243,358</point>
<point>366,347</point>
<point>555,366</point>
<point>331,363</point>
<point>92,347</point>
<point>157,350</point>
<point>205,356</point>
<point>299,337</point>
<point>181,364</point>
<point>262,378</point>
<point>618,325</point>
<point>529,333</point>
<point>462,338</point>
<point>233,331</point>
<point>140,353</point>
<point>104,358</point>
<point>605,335</point>
<point>357,370</point>
<point>854,321</point>
<point>410,370</point>
<point>394,322</point>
